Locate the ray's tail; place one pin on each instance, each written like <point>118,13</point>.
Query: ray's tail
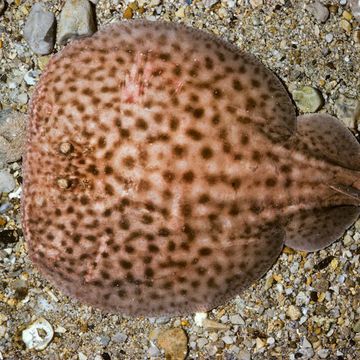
<point>324,137</point>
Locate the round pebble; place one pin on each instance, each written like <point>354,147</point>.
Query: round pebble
<point>308,99</point>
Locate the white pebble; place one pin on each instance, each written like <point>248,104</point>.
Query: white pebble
<point>329,37</point>
<point>38,334</point>
<point>199,318</point>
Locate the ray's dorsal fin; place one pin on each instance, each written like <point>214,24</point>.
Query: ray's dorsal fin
<point>326,137</point>
<point>314,229</point>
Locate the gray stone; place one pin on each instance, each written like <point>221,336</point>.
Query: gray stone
<point>119,337</point>
<point>319,11</point>
<point>355,8</point>
<point>237,320</point>
<point>103,340</point>
<point>12,136</point>
<point>39,30</point>
<point>209,3</point>
<point>202,342</point>
<point>306,349</point>
<point>7,182</point>
<point>348,111</point>
<point>76,20</point>
<point>323,353</point>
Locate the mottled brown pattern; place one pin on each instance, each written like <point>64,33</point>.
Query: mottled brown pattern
<point>164,176</point>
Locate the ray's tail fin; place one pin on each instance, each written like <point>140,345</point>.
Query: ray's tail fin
<point>325,137</point>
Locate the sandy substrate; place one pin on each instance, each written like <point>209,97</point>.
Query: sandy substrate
<point>305,307</point>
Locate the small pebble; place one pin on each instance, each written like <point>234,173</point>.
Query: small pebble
<point>39,30</point>
<point>7,182</point>
<point>323,353</point>
<point>348,111</point>
<point>119,337</point>
<point>293,312</point>
<point>31,77</point>
<point>256,3</point>
<point>319,11</point>
<point>76,20</point>
<point>201,342</point>
<point>306,349</point>
<point>103,340</point>
<point>329,37</point>
<point>174,343</point>
<point>199,318</point>
<point>153,351</point>
<point>22,98</point>
<point>227,339</point>
<point>308,99</point>
<point>209,3</point>
<point>237,320</point>
<point>38,334</point>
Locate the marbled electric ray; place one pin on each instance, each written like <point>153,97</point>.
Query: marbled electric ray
<point>165,169</point>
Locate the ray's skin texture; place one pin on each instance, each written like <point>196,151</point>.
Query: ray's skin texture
<point>164,172</point>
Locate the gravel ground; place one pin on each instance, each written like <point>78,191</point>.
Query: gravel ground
<point>306,307</point>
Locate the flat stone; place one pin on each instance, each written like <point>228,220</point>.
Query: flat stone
<point>76,20</point>
<point>12,136</point>
<point>348,111</point>
<point>319,11</point>
<point>355,8</point>
<point>174,342</point>
<point>39,30</point>
<point>7,182</point>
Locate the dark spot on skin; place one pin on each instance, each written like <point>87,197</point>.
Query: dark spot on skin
<point>129,162</point>
<point>250,103</point>
<point>255,83</point>
<point>179,150</point>
<point>236,183</point>
<point>168,176</point>
<point>198,113</point>
<point>174,123</point>
<point>93,169</point>
<point>244,139</point>
<point>108,170</point>
<point>125,264</point>
<point>217,93</point>
<point>205,251</point>
<point>256,156</point>
<point>270,182</point>
<point>165,56</point>
<point>164,232</point>
<point>206,152</point>
<point>204,198</point>
<point>194,134</point>
<point>141,124</point>
<point>237,85</point>
<point>188,176</point>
